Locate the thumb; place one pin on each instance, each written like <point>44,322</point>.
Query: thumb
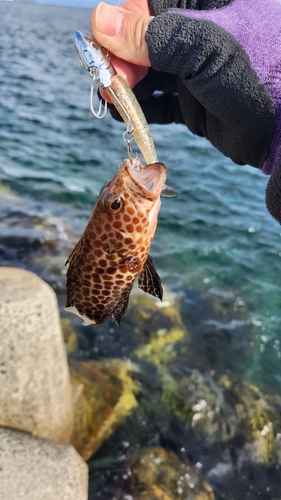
<point>121,32</point>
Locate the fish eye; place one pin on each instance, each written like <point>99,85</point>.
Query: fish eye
<point>113,203</point>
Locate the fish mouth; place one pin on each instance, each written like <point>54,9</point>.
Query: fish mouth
<point>149,179</point>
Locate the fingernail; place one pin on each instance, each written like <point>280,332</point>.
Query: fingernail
<point>109,19</point>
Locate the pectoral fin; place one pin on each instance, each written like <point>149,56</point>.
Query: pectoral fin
<point>149,280</point>
<point>168,192</point>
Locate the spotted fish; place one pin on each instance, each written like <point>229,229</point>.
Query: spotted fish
<point>115,246</point>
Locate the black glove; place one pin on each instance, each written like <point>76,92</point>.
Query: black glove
<point>219,94</point>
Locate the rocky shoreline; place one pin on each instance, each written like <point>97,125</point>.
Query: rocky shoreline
<point>155,424</point>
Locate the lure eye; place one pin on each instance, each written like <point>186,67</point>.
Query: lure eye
<point>113,203</point>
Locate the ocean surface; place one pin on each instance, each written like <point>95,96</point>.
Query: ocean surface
<point>216,246</point>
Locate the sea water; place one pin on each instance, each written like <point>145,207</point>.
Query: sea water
<point>215,241</point>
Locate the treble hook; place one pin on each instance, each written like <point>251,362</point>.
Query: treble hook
<point>100,115</point>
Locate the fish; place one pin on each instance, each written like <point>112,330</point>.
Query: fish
<point>114,248</point>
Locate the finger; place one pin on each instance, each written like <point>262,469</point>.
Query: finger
<point>121,32</point>
<point>137,6</point>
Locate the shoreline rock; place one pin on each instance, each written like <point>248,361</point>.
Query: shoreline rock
<point>36,394</point>
<point>37,469</point>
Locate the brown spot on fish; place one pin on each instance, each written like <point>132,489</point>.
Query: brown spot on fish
<point>102,262</point>
<point>100,270</point>
<point>111,270</point>
<point>96,277</point>
<point>99,229</point>
<point>128,241</point>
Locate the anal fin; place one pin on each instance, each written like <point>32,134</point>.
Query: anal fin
<point>122,305</point>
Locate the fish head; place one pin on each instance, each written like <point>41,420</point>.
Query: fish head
<point>130,202</point>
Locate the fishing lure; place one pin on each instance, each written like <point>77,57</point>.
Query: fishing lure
<point>104,77</point>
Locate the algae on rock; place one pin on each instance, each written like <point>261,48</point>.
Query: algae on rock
<point>199,401</point>
<point>157,474</point>
<point>104,395</point>
<point>161,326</point>
<point>259,420</point>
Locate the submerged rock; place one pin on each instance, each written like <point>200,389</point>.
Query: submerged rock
<point>150,330</point>
<point>154,473</point>
<point>160,326</point>
<point>219,328</point>
<point>104,395</point>
<point>217,411</point>
<point>259,420</point>
<point>199,402</point>
<point>35,393</point>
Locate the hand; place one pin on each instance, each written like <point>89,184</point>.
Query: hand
<point>217,72</point>
<point>122,31</point>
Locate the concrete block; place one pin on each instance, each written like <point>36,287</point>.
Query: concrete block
<point>35,389</point>
<point>36,469</point>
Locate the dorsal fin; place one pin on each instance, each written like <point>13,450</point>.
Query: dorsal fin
<point>76,250</point>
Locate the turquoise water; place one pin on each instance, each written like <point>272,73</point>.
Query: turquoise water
<point>215,237</point>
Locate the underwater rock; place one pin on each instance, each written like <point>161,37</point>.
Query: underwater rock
<point>149,330</point>
<point>35,469</point>
<point>158,324</point>
<point>219,410</point>
<point>104,395</point>
<point>35,391</point>
<point>259,420</point>
<point>155,473</point>
<point>199,401</point>
<point>219,328</point>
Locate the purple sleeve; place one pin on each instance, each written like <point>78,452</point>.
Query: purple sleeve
<point>257,26</point>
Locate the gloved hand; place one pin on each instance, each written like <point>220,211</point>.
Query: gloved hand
<point>230,98</point>
<point>218,73</point>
